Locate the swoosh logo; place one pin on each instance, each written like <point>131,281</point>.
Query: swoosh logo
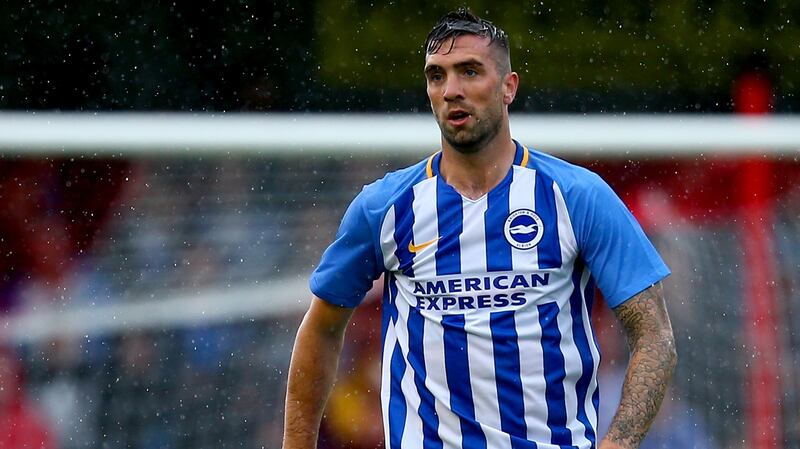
<point>416,248</point>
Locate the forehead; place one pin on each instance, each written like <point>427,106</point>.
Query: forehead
<point>464,48</point>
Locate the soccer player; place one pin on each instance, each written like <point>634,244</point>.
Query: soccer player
<point>490,253</point>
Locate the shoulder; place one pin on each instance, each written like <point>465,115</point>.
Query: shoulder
<point>587,198</point>
<point>571,179</point>
<point>370,207</point>
<point>379,195</point>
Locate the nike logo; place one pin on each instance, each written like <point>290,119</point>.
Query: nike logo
<point>416,248</point>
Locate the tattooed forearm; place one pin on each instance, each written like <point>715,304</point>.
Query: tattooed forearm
<point>651,365</point>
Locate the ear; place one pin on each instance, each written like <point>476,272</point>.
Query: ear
<point>510,86</point>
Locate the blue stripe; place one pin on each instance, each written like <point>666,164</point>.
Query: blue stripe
<point>498,251</point>
<point>437,159</point>
<point>404,231</point>
<point>549,247</point>
<point>518,154</point>
<point>416,358</point>
<point>389,311</point>
<point>451,225</point>
<point>505,343</point>
<point>456,364</point>
<point>588,294</point>
<point>393,298</point>
<point>397,401</point>
<point>596,400</point>
<point>582,343</point>
<point>555,373</point>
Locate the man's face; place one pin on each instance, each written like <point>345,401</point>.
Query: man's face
<point>468,95</point>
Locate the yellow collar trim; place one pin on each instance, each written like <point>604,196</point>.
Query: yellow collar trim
<point>429,165</point>
<point>525,155</point>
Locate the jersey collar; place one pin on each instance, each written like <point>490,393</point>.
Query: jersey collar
<point>521,158</point>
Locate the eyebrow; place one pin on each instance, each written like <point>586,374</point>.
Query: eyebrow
<point>472,62</point>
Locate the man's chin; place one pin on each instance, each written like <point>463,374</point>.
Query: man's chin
<point>463,142</point>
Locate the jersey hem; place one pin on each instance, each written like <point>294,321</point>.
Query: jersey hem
<point>337,300</point>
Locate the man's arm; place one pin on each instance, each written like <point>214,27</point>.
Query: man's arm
<point>652,362</point>
<point>312,371</point>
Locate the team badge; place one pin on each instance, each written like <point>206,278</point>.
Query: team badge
<point>523,229</point>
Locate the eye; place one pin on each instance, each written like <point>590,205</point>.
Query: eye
<point>435,77</point>
<point>470,72</point>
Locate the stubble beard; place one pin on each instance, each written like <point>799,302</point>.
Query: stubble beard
<point>470,141</point>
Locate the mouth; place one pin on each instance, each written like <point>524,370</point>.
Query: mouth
<point>458,117</point>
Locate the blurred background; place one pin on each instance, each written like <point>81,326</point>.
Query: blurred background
<point>151,300</point>
<point>573,56</point>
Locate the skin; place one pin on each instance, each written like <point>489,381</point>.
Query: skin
<point>652,362</point>
<point>477,151</point>
<point>312,371</point>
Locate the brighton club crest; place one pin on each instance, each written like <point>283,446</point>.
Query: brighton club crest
<point>523,229</point>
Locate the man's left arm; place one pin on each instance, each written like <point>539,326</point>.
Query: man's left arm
<point>652,362</point>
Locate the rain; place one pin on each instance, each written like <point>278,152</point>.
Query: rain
<point>172,173</point>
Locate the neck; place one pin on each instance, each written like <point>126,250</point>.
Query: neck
<point>474,174</point>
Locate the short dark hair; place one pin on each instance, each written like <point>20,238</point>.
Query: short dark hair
<point>461,22</point>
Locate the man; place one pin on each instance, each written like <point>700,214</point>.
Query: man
<point>490,253</point>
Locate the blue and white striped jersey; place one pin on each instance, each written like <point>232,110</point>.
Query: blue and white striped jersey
<point>487,342</point>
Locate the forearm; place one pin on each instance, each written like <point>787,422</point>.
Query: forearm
<point>652,363</point>
<point>649,372</point>
<point>312,372</point>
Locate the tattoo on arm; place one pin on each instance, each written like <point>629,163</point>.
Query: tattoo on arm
<point>652,362</point>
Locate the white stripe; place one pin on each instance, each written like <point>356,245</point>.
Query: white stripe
<point>425,227</point>
<point>436,381</point>
<point>412,433</point>
<point>569,249</point>
<point>482,378</point>
<point>566,235</point>
<point>572,367</point>
<point>388,245</point>
<point>532,373</point>
<point>522,196</point>
<point>591,413</point>
<point>473,237</point>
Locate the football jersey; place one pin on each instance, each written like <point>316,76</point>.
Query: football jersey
<point>487,342</point>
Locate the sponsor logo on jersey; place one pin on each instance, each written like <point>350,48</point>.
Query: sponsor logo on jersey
<point>496,291</point>
<point>523,229</point>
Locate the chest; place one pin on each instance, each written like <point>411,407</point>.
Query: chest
<point>516,227</point>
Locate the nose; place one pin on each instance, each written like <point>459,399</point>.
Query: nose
<point>453,89</point>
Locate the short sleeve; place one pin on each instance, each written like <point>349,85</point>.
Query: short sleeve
<point>349,265</point>
<point>619,255</point>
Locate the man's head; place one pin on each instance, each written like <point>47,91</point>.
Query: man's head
<point>461,22</point>
<point>469,79</point>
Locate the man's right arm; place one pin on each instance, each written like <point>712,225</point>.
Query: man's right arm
<point>312,371</point>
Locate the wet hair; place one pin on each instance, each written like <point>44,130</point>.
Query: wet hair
<point>462,22</point>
